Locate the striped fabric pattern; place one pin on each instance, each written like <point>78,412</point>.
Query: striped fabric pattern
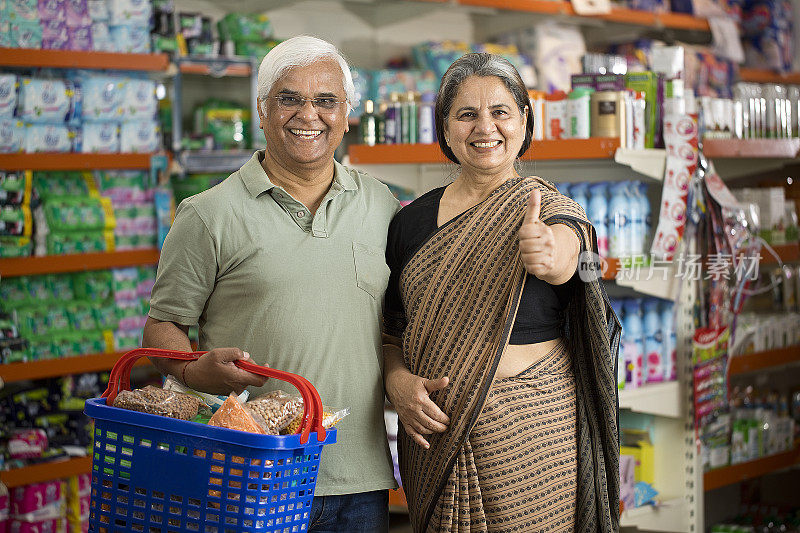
<point>522,452</point>
<point>461,291</point>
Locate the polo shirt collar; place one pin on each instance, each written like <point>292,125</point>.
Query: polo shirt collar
<point>257,181</point>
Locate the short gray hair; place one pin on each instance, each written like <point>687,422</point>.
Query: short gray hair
<point>483,65</point>
<point>298,52</point>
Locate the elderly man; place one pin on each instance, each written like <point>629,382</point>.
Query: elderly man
<point>283,263</point>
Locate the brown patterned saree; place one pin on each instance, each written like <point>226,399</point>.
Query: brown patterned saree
<point>460,292</point>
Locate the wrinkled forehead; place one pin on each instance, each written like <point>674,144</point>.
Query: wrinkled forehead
<point>323,76</point>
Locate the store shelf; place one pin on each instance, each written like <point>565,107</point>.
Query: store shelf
<point>50,368</point>
<point>56,264</point>
<point>388,154</point>
<point>661,399</point>
<point>71,161</point>
<point>756,75</point>
<point>751,148</point>
<point>661,284</point>
<point>650,161</point>
<point>397,501</point>
<point>30,58</point>
<point>787,252</point>
<point>720,477</point>
<point>754,362</point>
<point>624,16</point>
<point>669,515</point>
<point>201,161</point>
<point>46,471</point>
<point>217,69</point>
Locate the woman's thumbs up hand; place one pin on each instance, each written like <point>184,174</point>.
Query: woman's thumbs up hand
<point>536,241</point>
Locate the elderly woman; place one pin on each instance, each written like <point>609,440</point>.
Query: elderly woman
<point>502,359</point>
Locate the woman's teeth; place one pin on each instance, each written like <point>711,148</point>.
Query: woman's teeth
<point>491,144</point>
<point>306,134</point>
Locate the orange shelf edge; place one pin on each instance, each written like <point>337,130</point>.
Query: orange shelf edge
<point>57,264</point>
<point>230,70</point>
<point>625,16</point>
<point>388,154</point>
<point>720,477</point>
<point>753,362</point>
<point>50,368</point>
<point>756,75</point>
<point>74,161</point>
<point>46,471</point>
<point>28,57</point>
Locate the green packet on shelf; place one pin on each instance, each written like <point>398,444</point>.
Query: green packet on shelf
<point>15,247</point>
<point>94,285</point>
<point>15,187</point>
<point>64,184</point>
<point>14,351</point>
<point>121,179</point>
<point>79,214</point>
<point>244,27</point>
<point>78,242</point>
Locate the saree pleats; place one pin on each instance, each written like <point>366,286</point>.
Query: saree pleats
<point>461,291</point>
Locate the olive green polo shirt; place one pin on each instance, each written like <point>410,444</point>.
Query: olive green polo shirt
<point>300,292</point>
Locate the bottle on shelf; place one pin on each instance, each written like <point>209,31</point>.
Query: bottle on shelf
<point>393,117</point>
<point>427,127</point>
<point>368,124</point>
<point>618,211</point>
<point>408,122</point>
<point>598,215</point>
<point>653,341</point>
<point>634,342</point>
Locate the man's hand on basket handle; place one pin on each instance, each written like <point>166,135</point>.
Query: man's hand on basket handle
<point>215,372</point>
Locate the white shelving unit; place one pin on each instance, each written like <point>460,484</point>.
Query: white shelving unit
<point>660,399</point>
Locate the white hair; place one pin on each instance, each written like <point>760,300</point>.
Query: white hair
<point>298,52</point>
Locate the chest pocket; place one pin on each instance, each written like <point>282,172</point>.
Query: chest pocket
<point>372,272</point>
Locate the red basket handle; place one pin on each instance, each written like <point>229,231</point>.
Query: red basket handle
<point>119,380</point>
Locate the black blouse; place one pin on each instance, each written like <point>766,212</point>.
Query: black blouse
<point>541,311</point>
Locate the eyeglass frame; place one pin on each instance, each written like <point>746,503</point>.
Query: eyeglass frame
<point>303,99</point>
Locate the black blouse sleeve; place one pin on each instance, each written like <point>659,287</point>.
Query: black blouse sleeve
<point>394,316</point>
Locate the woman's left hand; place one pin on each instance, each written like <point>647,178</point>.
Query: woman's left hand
<point>537,243</point>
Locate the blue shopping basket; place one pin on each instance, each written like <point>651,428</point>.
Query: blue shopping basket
<point>153,474</point>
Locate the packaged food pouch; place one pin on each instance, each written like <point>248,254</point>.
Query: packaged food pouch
<point>330,417</point>
<point>210,403</point>
<point>278,409</point>
<point>233,415</point>
<point>158,402</point>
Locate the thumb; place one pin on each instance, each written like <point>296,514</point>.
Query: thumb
<point>436,384</point>
<point>534,206</point>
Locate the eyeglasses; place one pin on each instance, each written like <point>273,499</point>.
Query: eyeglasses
<point>323,104</point>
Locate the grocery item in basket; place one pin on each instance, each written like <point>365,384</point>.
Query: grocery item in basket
<point>278,409</point>
<point>330,416</point>
<point>159,402</point>
<point>212,401</point>
<point>234,415</point>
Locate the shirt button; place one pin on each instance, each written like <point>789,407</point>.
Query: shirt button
<point>300,214</point>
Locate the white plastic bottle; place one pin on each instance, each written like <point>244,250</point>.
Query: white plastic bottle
<point>653,341</point>
<point>636,220</point>
<point>579,194</point>
<point>598,215</point>
<point>618,210</point>
<point>669,350</point>
<point>622,366</point>
<point>647,214</point>
<point>634,341</point>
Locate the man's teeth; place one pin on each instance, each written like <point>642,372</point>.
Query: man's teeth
<point>306,133</point>
<point>486,145</point>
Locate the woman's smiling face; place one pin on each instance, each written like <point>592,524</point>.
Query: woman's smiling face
<point>485,128</point>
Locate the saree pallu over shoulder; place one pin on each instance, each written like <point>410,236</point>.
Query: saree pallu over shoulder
<point>461,292</point>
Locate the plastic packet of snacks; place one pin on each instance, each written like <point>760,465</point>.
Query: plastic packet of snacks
<point>277,409</point>
<point>291,406</point>
<point>209,402</point>
<point>159,402</point>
